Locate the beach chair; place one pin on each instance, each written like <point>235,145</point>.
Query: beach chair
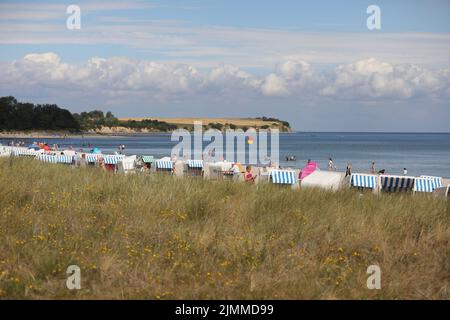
<point>92,158</point>
<point>364,181</point>
<point>49,158</point>
<point>392,183</point>
<point>427,184</point>
<point>64,159</point>
<point>164,165</point>
<point>283,177</point>
<point>112,161</point>
<point>327,180</point>
<point>126,164</point>
<point>194,167</point>
<point>148,159</point>
<point>23,152</point>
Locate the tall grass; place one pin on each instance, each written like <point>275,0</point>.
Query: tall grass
<point>162,237</point>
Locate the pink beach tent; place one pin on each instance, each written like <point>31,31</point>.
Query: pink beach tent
<point>308,169</point>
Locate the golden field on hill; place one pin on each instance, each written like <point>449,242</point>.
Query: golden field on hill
<point>240,122</point>
<point>161,237</point>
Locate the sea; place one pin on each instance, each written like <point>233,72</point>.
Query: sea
<point>419,153</point>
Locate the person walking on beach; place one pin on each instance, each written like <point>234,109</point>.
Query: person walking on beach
<point>372,168</point>
<point>331,166</point>
<point>348,171</point>
<point>405,171</point>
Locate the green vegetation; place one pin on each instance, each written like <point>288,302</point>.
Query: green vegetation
<point>97,119</point>
<point>161,237</point>
<point>27,116</point>
<point>284,123</point>
<point>15,115</point>
<point>217,126</point>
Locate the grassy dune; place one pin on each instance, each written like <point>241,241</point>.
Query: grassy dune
<point>160,237</point>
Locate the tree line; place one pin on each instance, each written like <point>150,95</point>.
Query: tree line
<point>25,116</point>
<point>16,115</point>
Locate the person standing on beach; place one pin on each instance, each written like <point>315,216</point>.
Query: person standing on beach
<point>348,171</point>
<point>101,163</point>
<point>248,175</point>
<point>331,166</point>
<point>372,168</point>
<point>405,171</point>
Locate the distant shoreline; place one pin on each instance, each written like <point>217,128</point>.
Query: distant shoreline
<point>50,135</point>
<point>111,132</point>
<point>71,135</point>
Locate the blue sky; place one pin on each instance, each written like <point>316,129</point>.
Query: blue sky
<point>313,63</point>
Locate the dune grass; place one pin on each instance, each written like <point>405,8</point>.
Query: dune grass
<point>161,237</point>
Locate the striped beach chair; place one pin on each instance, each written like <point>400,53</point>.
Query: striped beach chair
<point>287,177</point>
<point>92,157</point>
<point>49,158</point>
<point>437,180</point>
<point>23,152</point>
<point>65,159</point>
<point>361,180</point>
<point>113,158</point>
<point>195,164</point>
<point>397,183</point>
<point>147,159</point>
<point>427,183</point>
<point>163,164</point>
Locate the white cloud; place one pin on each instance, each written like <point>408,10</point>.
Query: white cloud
<point>274,85</point>
<point>370,79</point>
<point>148,80</point>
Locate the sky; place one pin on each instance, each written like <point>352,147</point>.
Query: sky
<point>315,64</point>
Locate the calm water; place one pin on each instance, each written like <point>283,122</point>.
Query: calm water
<point>419,153</point>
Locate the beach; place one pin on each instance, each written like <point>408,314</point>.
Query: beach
<point>421,154</point>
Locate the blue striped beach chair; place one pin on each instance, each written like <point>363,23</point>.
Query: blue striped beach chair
<point>49,158</point>
<point>113,159</point>
<point>397,183</point>
<point>437,180</point>
<point>92,157</point>
<point>65,159</point>
<point>284,177</point>
<point>23,152</point>
<point>164,165</point>
<point>361,180</point>
<point>427,183</point>
<point>195,164</point>
<point>194,167</point>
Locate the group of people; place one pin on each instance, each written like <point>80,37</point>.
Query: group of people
<point>121,148</point>
<point>13,143</point>
<point>348,169</point>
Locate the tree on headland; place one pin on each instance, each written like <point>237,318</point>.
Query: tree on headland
<point>16,115</point>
